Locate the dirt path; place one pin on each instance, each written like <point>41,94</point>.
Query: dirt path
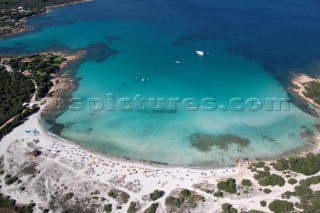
<point>8,68</point>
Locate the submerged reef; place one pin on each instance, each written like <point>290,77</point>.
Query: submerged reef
<point>204,142</point>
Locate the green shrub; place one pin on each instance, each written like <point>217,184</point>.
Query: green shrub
<point>266,168</point>
<point>309,200</point>
<point>259,164</point>
<point>112,194</point>
<point>292,181</point>
<point>308,165</point>
<point>152,208</point>
<point>226,207</point>
<point>218,194</point>
<point>281,206</point>
<point>233,210</point>
<point>302,190</point>
<point>310,181</point>
<point>68,196</point>
<point>313,90</point>
<point>254,169</point>
<point>263,203</point>
<point>11,180</point>
<point>125,197</point>
<point>118,193</point>
<point>261,174</point>
<point>286,195</point>
<point>193,204</point>
<point>7,176</point>
<point>272,180</point>
<point>246,182</point>
<point>281,164</point>
<point>173,201</point>
<point>108,208</point>
<point>185,193</point>
<point>156,194</point>
<point>133,207</point>
<point>255,211</point>
<point>228,186</point>
<point>267,191</point>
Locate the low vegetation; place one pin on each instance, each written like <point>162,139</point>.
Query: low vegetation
<point>218,194</point>
<point>246,182</point>
<point>152,209</point>
<point>7,202</point>
<point>107,208</point>
<point>133,207</point>
<point>156,194</point>
<point>313,90</point>
<point>263,203</point>
<point>118,194</point>
<point>228,186</point>
<point>227,208</point>
<point>292,181</point>
<point>174,201</point>
<point>267,191</point>
<point>186,199</point>
<point>308,165</point>
<point>272,180</point>
<point>281,206</point>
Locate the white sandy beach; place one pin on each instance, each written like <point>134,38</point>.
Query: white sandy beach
<point>88,166</point>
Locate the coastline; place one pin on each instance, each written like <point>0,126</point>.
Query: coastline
<point>75,2</point>
<point>25,28</point>
<point>80,165</point>
<point>298,82</point>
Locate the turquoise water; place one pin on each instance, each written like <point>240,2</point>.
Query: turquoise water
<point>134,45</point>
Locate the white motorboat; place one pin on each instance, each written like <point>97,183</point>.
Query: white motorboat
<point>200,52</point>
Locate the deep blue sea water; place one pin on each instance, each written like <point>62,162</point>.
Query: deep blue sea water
<point>253,47</point>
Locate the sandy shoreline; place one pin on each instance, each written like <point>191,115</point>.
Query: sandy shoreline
<point>90,166</point>
<point>65,4</point>
<point>299,81</point>
<point>144,172</point>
